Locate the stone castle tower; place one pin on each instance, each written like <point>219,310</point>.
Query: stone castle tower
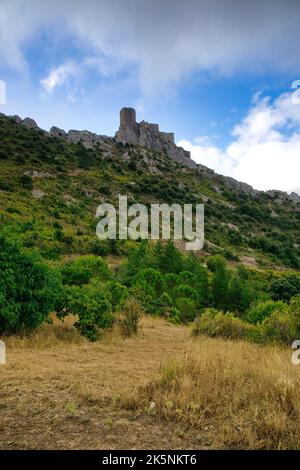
<point>148,135</point>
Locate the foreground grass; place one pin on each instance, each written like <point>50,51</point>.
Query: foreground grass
<point>160,389</point>
<point>238,394</point>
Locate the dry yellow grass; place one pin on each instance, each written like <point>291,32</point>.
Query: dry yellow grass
<point>60,391</point>
<point>239,395</point>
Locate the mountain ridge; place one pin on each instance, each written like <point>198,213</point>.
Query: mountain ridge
<point>90,140</point>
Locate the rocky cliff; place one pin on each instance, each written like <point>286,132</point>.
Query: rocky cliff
<point>149,136</point>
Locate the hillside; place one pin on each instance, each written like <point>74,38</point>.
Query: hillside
<point>137,345</point>
<point>50,188</point>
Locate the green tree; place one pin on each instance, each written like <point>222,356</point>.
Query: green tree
<point>186,308</point>
<point>92,305</point>
<point>81,270</point>
<point>220,287</point>
<point>285,288</point>
<point>169,258</point>
<point>239,295</point>
<point>28,288</point>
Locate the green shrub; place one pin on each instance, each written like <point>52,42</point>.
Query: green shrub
<point>174,316</point>
<point>263,310</point>
<point>91,304</point>
<point>215,262</point>
<point>186,308</point>
<point>151,281</point>
<point>26,181</point>
<point>281,326</point>
<point>165,302</point>
<point>184,290</point>
<point>99,247</point>
<point>118,294</point>
<point>81,270</point>
<point>214,323</point>
<point>285,288</point>
<point>28,289</point>
<point>171,280</point>
<point>5,186</point>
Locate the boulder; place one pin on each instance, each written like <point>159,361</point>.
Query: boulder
<point>29,123</point>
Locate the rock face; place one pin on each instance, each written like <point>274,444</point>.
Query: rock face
<point>281,196</point>
<point>149,136</point>
<point>87,138</point>
<point>30,123</point>
<point>57,132</point>
<point>17,119</point>
<point>240,187</point>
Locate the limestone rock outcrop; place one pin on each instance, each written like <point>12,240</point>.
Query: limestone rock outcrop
<point>149,136</point>
<point>30,123</point>
<point>87,138</point>
<point>57,132</point>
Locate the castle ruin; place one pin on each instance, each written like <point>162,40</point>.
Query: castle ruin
<point>149,136</point>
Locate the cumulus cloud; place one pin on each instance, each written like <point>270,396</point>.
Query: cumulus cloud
<point>166,41</point>
<point>265,147</point>
<point>58,76</point>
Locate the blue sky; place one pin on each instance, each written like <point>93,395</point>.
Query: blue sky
<point>218,74</point>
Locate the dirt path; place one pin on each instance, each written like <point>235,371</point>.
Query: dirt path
<point>62,396</point>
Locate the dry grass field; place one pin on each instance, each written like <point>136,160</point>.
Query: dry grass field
<point>159,390</point>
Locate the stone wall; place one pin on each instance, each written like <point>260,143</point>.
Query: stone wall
<point>149,136</point>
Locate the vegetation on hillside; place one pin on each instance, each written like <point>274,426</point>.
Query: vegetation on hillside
<point>50,190</point>
<point>49,193</point>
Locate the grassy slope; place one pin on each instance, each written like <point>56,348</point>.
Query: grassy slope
<point>56,215</point>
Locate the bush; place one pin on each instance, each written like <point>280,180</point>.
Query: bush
<point>174,315</point>
<point>186,308</point>
<point>171,280</point>
<point>26,181</point>
<point>263,310</point>
<point>184,290</point>
<point>285,288</point>
<point>165,303</point>
<point>214,323</point>
<point>215,262</point>
<point>81,270</point>
<point>92,306</point>
<point>99,247</point>
<point>5,186</point>
<point>118,294</point>
<point>281,326</point>
<point>130,317</point>
<point>150,281</point>
<point>28,289</point>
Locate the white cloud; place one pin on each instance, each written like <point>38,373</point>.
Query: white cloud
<point>166,41</point>
<point>265,150</point>
<point>58,76</point>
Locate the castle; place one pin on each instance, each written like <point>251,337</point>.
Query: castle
<point>148,135</point>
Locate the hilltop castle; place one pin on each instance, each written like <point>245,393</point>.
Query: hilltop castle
<point>148,135</point>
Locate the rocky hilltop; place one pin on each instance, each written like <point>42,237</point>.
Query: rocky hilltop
<point>149,136</point>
